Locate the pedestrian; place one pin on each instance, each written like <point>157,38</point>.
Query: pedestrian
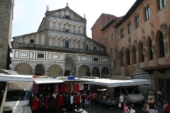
<point>121,101</point>
<point>152,106</point>
<point>145,108</point>
<point>78,101</point>
<point>132,110</point>
<point>126,109</point>
<point>165,106</point>
<point>83,100</point>
<point>85,97</point>
<point>151,95</point>
<point>93,96</point>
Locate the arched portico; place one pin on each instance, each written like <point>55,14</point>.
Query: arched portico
<point>84,71</point>
<point>95,72</point>
<point>54,70</point>
<point>39,69</point>
<point>69,66</point>
<point>105,72</point>
<point>23,68</point>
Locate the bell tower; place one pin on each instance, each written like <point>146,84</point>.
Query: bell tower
<point>6,17</point>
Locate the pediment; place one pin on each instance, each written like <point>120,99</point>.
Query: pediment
<point>65,13</point>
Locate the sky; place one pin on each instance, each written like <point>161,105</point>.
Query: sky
<point>28,14</point>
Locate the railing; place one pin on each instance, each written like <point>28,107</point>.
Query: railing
<point>44,47</point>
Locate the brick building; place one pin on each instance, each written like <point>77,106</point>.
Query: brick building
<point>141,40</point>
<point>6,16</point>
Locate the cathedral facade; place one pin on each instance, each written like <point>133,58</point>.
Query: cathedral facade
<point>60,47</point>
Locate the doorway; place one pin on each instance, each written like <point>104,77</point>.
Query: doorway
<point>67,73</point>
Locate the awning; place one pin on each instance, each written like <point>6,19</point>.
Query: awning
<point>118,83</point>
<point>15,78</point>
<point>47,81</point>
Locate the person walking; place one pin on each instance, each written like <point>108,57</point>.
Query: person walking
<point>165,106</point>
<point>132,110</point>
<point>152,106</point>
<point>126,109</point>
<point>121,101</point>
<point>93,96</point>
<point>78,100</point>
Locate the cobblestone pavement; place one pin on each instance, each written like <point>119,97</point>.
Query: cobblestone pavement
<point>98,109</point>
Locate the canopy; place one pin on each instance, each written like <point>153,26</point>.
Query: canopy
<point>15,78</point>
<point>118,83</point>
<point>47,81</point>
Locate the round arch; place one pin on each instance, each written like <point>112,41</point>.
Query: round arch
<point>84,71</point>
<point>54,70</point>
<point>105,72</point>
<point>39,69</point>
<point>127,56</point>
<point>121,61</point>
<point>23,68</point>
<point>95,72</point>
<point>149,45</point>
<point>133,54</point>
<point>140,52</point>
<point>69,66</point>
<point>160,52</point>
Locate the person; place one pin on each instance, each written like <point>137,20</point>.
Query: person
<point>165,106</point>
<point>126,109</point>
<point>132,110</point>
<point>83,100</point>
<point>145,108</point>
<point>151,96</point>
<point>159,94</point>
<point>78,100</point>
<point>93,95</point>
<point>152,105</point>
<point>121,101</point>
<point>85,97</point>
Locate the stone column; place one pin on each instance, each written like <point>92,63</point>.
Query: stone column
<point>33,71</point>
<point>100,71</point>
<point>77,72</point>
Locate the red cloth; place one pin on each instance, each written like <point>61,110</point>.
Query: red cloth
<point>46,103</point>
<point>168,109</point>
<point>61,101</point>
<point>76,87</point>
<point>85,96</point>
<point>78,99</point>
<point>69,87</point>
<point>63,87</point>
<point>35,104</point>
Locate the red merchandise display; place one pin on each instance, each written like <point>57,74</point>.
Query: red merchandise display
<point>35,104</point>
<point>60,101</point>
<point>78,99</point>
<point>76,87</point>
<point>63,88</point>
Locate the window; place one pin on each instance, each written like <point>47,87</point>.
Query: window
<point>162,4</point>
<point>40,55</point>
<point>67,17</point>
<point>147,12</point>
<point>112,36</point>
<point>110,50</point>
<point>114,63</point>
<point>66,30</point>
<point>129,28</point>
<point>66,44</point>
<point>96,59</point>
<point>86,47</point>
<point>94,48</point>
<point>122,33</point>
<point>137,22</point>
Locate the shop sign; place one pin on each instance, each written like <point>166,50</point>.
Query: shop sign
<point>141,74</point>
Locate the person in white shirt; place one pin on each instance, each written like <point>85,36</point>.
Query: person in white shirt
<point>132,110</point>
<point>121,101</point>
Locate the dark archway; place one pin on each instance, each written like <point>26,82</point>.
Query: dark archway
<point>39,69</point>
<point>160,45</point>
<point>149,52</point>
<point>121,58</point>
<point>95,72</point>
<point>140,52</point>
<point>127,56</point>
<point>133,54</point>
<point>105,72</point>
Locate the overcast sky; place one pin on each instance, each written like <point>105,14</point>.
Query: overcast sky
<point>28,14</point>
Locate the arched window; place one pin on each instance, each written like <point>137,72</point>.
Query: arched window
<point>141,55</point>
<point>134,54</point>
<point>121,59</point>
<point>150,50</point>
<point>161,46</point>
<point>127,57</point>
